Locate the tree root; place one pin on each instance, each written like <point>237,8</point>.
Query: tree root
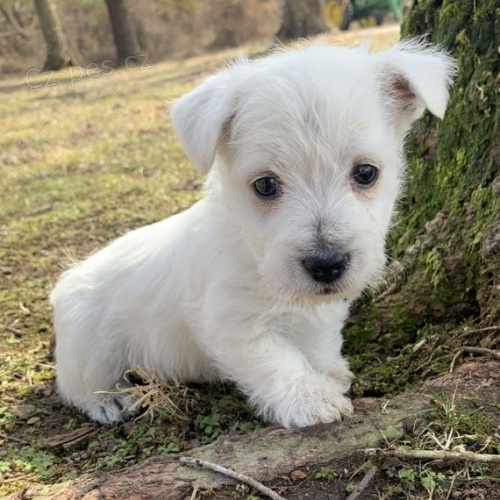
<point>474,350</point>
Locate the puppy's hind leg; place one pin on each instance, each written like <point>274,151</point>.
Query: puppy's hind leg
<point>92,388</point>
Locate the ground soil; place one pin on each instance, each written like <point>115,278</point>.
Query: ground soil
<point>274,455</point>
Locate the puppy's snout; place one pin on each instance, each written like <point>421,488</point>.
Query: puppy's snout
<point>326,268</point>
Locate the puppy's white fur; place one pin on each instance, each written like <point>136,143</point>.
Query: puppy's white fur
<point>220,291</point>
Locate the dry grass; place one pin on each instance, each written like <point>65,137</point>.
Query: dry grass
<point>153,397</point>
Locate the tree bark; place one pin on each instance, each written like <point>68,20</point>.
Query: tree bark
<point>446,244</point>
<point>127,44</point>
<point>459,184</point>
<point>301,19</point>
<point>58,54</point>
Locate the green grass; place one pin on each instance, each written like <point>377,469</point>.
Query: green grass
<point>450,425</point>
<point>80,165</point>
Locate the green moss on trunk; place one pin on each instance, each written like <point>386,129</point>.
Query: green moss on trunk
<point>448,238</point>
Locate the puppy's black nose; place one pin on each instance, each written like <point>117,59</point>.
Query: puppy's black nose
<point>326,268</point>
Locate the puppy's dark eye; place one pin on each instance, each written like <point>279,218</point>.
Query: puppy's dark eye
<point>266,187</point>
<point>365,175</point>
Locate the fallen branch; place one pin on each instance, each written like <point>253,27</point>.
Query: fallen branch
<point>12,438</point>
<point>15,331</point>
<point>474,350</point>
<point>70,439</point>
<point>293,449</point>
<point>194,462</point>
<point>41,210</point>
<point>436,455</point>
<point>365,482</point>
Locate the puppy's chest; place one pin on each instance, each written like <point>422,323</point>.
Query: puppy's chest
<point>305,326</point>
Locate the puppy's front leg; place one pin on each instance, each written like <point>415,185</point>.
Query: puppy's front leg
<point>324,354</point>
<point>278,378</point>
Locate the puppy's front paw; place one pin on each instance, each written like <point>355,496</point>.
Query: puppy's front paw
<point>312,400</point>
<point>342,376</point>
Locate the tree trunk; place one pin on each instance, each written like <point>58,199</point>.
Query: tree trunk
<point>301,19</point>
<point>454,166</point>
<point>58,55</point>
<point>447,244</point>
<point>127,44</point>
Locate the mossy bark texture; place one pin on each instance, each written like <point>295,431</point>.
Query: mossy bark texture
<point>445,249</point>
<point>454,166</point>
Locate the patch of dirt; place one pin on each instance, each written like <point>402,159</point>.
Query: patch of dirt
<point>477,377</point>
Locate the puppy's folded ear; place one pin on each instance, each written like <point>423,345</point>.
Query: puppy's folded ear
<point>202,116</point>
<point>415,76</point>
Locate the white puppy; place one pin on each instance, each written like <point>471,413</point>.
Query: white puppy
<point>253,283</point>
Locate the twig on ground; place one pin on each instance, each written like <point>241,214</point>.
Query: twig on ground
<point>12,438</point>
<point>365,482</point>
<point>15,331</point>
<point>195,462</point>
<point>14,479</point>
<point>474,350</point>
<point>390,289</point>
<point>71,438</point>
<point>436,455</point>
<point>485,329</point>
<point>195,491</point>
<point>40,210</point>
<point>450,490</point>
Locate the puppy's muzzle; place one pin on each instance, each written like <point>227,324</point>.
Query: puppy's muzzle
<point>326,267</point>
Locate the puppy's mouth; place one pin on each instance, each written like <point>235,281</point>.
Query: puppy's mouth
<point>328,292</point>
<point>334,291</point>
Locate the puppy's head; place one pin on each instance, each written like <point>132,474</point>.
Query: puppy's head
<point>305,150</point>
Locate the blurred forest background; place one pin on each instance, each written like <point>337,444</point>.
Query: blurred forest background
<point>53,34</point>
<point>163,28</point>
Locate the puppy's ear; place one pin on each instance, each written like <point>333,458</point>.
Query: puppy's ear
<point>201,117</point>
<point>415,76</point>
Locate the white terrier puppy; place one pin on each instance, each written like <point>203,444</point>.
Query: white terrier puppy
<point>253,283</point>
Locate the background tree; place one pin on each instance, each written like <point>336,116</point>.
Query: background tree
<point>446,247</point>
<point>20,23</point>
<point>58,54</point>
<point>301,18</point>
<point>124,33</point>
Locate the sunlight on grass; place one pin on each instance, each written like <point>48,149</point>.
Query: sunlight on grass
<point>81,162</point>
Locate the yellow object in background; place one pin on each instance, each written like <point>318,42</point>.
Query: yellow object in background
<point>335,11</point>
